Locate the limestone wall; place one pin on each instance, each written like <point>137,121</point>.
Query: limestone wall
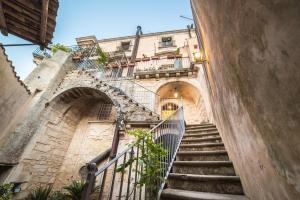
<point>14,95</point>
<point>253,74</point>
<point>42,82</point>
<point>194,107</point>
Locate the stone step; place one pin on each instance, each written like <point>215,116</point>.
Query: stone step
<point>202,147</point>
<point>176,194</point>
<point>217,155</point>
<point>204,167</point>
<point>206,183</point>
<point>200,126</point>
<point>199,140</point>
<point>200,135</point>
<point>208,130</point>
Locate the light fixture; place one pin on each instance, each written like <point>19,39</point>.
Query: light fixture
<point>175,93</point>
<point>199,56</point>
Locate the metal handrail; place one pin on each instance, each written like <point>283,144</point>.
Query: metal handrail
<point>168,133</point>
<point>138,93</point>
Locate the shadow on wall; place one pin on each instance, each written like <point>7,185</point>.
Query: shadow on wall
<point>253,72</point>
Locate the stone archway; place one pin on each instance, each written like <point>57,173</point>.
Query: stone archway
<point>71,132</point>
<point>184,94</point>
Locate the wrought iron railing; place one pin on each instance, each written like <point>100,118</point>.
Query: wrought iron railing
<point>126,85</point>
<point>114,184</point>
<point>113,76</point>
<point>163,64</point>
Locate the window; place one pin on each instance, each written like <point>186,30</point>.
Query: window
<point>166,42</point>
<point>125,46</point>
<point>168,109</point>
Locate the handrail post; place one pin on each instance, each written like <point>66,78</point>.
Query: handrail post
<point>90,181</point>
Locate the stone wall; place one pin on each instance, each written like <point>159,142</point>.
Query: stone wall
<point>14,96</point>
<point>253,74</point>
<point>41,82</point>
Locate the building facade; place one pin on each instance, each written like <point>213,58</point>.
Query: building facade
<point>77,102</point>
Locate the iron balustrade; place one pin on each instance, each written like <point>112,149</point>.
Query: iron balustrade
<point>114,184</point>
<point>126,85</point>
<point>75,50</point>
<point>113,76</point>
<point>163,64</point>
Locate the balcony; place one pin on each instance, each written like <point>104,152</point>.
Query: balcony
<point>170,66</point>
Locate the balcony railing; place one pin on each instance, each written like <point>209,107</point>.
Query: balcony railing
<point>125,184</point>
<point>163,64</point>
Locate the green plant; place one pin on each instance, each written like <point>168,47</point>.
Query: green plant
<point>6,191</point>
<point>177,51</point>
<point>56,47</point>
<point>58,195</point>
<point>102,56</point>
<point>40,193</point>
<point>75,189</point>
<point>149,156</point>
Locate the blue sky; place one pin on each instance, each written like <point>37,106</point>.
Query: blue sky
<point>104,19</point>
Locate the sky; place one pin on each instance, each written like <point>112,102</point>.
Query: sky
<point>104,19</point>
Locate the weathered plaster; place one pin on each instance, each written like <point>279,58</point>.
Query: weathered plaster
<point>253,74</point>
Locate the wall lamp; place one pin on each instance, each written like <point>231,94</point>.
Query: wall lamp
<point>199,57</point>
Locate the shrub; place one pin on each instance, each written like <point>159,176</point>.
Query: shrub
<point>40,193</point>
<point>56,47</point>
<point>102,56</point>
<point>75,190</point>
<point>6,191</point>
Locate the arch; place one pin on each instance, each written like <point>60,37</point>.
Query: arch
<point>184,94</point>
<point>68,95</point>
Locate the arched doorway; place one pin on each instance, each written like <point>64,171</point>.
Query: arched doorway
<point>175,94</point>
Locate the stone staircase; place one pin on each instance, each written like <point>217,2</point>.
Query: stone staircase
<point>73,86</point>
<point>202,169</point>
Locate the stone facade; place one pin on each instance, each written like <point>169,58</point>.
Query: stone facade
<point>62,125</point>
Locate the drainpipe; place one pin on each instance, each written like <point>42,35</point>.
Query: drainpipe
<point>115,142</point>
<point>136,43</point>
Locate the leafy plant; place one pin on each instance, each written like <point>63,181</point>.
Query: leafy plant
<point>58,195</point>
<point>177,51</point>
<point>61,47</point>
<point>149,156</point>
<point>102,56</point>
<point>75,190</point>
<point>40,193</point>
<point>6,191</point>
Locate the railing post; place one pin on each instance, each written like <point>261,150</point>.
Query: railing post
<point>90,181</point>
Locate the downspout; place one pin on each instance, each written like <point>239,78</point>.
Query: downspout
<point>136,43</point>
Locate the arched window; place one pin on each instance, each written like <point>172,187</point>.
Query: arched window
<point>169,106</point>
<point>168,109</point>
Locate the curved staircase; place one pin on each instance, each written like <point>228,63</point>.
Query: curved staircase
<point>202,170</point>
